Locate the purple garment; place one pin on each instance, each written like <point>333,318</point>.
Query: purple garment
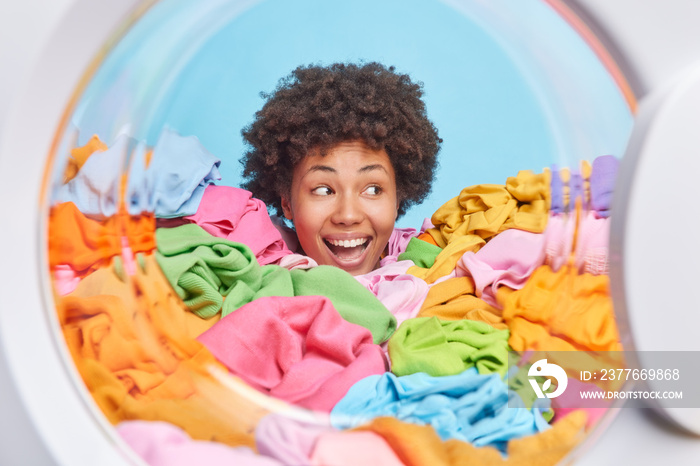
<point>507,260</point>
<point>603,175</point>
<point>397,244</point>
<point>401,293</point>
<point>557,192</point>
<point>287,440</point>
<point>162,444</point>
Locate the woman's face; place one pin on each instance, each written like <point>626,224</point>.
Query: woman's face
<point>344,206</point>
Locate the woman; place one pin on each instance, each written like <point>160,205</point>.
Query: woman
<point>342,151</point>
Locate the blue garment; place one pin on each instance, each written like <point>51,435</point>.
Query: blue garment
<point>171,186</point>
<point>471,407</point>
<point>95,188</point>
<point>179,172</point>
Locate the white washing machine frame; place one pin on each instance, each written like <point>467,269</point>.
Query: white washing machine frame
<point>652,42</point>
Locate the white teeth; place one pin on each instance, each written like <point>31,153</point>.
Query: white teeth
<point>348,243</point>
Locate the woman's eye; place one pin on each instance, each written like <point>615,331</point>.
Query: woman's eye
<point>373,190</point>
<point>322,191</point>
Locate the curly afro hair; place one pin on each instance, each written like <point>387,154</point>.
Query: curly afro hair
<point>316,108</point>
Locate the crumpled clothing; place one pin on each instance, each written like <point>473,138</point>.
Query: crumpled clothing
<point>469,407</point>
<point>352,448</point>
<point>402,294</point>
<point>439,348</point>
<point>297,349</point>
<point>296,261</point>
<point>397,244</point>
<point>421,253</point>
<point>80,155</point>
<point>288,440</point>
<point>85,244</point>
<point>562,311</point>
<point>133,344</point>
<point>95,188</point>
<point>65,279</point>
<point>487,209</point>
<point>467,221</point>
<point>454,299</point>
<point>446,261</point>
<point>204,270</point>
<point>162,444</point>
<point>570,401</point>
<point>233,214</point>
<point>559,240</point>
<point>602,184</point>
<point>592,248</point>
<point>178,174</point>
<point>420,445</point>
<point>507,260</point>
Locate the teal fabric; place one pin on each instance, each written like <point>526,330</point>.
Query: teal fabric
<point>439,348</point>
<point>421,252</point>
<point>213,275</point>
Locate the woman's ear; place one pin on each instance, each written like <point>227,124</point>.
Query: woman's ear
<point>287,208</point>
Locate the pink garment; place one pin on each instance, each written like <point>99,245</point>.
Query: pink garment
<point>298,349</point>
<point>427,225</point>
<point>397,244</point>
<point>592,244</point>
<point>401,293</point>
<point>65,279</point>
<point>162,444</point>
<point>296,261</point>
<point>233,214</point>
<point>352,449</point>
<point>571,400</point>
<point>559,239</point>
<point>287,440</point>
<point>508,259</point>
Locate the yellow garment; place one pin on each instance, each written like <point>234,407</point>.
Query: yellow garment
<point>133,343</point>
<point>467,221</point>
<point>487,209</point>
<point>446,261</point>
<point>454,299</point>
<point>562,311</point>
<point>417,445</point>
<point>79,156</point>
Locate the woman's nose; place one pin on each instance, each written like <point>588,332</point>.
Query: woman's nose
<point>348,211</point>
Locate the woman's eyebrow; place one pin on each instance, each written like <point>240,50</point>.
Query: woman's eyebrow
<point>369,168</point>
<point>321,168</point>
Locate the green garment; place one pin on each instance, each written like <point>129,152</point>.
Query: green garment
<point>427,344</point>
<point>421,252</point>
<point>204,269</point>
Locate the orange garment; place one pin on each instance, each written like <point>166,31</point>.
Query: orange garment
<point>562,311</point>
<point>86,244</point>
<point>417,445</point>
<point>427,238</point>
<point>132,341</point>
<point>454,299</point>
<point>79,155</point>
<point>466,222</point>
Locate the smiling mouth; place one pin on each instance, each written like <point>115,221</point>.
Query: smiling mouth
<point>347,250</point>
